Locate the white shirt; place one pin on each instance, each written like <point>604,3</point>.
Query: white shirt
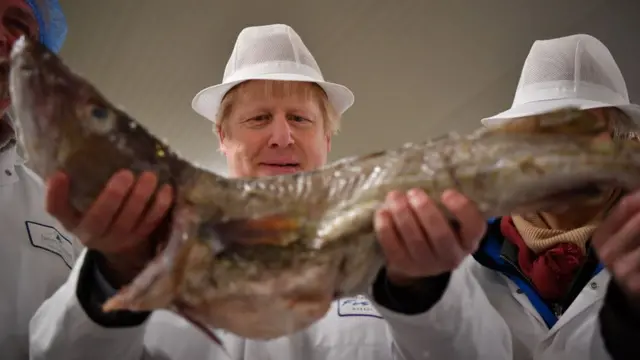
<point>353,329</point>
<point>36,255</point>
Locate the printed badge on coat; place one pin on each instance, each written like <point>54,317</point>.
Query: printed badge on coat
<point>357,306</point>
<point>50,239</point>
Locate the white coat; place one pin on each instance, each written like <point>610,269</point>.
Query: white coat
<point>36,255</point>
<point>469,322</point>
<point>351,330</point>
<point>574,335</point>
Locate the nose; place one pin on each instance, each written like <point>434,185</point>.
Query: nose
<point>280,132</point>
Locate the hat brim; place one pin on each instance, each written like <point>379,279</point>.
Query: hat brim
<point>539,107</point>
<point>207,101</point>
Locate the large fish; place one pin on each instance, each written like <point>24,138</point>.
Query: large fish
<point>265,257</point>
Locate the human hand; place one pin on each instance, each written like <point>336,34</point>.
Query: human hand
<point>118,223</point>
<point>617,243</point>
<point>417,239</point>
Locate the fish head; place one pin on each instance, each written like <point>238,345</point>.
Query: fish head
<point>65,124</point>
<point>55,108</point>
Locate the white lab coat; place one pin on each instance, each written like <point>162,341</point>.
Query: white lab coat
<point>462,325</point>
<point>469,322</point>
<point>36,255</point>
<point>576,335</point>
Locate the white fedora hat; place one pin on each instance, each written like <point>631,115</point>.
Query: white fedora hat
<point>576,70</point>
<point>269,52</point>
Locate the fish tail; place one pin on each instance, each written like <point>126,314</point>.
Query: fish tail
<point>566,120</point>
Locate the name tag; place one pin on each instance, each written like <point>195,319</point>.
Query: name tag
<point>357,306</point>
<point>48,238</point>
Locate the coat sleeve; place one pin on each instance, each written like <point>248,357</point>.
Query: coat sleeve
<point>69,325</point>
<point>455,320</point>
<point>612,335</point>
<point>619,325</point>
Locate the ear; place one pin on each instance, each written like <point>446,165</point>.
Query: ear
<point>328,141</point>
<point>222,136</point>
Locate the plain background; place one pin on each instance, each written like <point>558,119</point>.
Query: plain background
<point>418,68</point>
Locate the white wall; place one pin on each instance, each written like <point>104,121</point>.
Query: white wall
<point>418,68</point>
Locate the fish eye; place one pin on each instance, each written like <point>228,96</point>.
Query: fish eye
<point>99,112</point>
<point>101,118</point>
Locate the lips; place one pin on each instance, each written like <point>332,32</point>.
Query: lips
<point>282,164</point>
<point>280,168</point>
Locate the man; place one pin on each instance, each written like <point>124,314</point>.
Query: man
<point>275,114</point>
<point>543,271</point>
<point>36,256</point>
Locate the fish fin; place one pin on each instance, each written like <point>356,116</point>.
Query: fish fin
<point>184,311</point>
<point>276,230</point>
<point>155,287</point>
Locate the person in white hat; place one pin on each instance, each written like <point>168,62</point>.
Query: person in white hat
<point>274,113</point>
<point>544,272</point>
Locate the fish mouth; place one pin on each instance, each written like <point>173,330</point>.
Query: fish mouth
<point>32,79</point>
<point>32,76</point>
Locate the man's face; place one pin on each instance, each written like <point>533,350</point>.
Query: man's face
<point>17,20</point>
<point>266,134</point>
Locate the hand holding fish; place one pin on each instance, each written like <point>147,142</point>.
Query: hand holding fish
<point>617,241</point>
<point>265,257</point>
<point>417,239</point>
<point>118,223</point>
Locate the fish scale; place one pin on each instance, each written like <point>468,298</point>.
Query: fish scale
<point>265,257</point>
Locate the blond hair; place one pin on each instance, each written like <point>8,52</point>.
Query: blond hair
<point>274,89</point>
